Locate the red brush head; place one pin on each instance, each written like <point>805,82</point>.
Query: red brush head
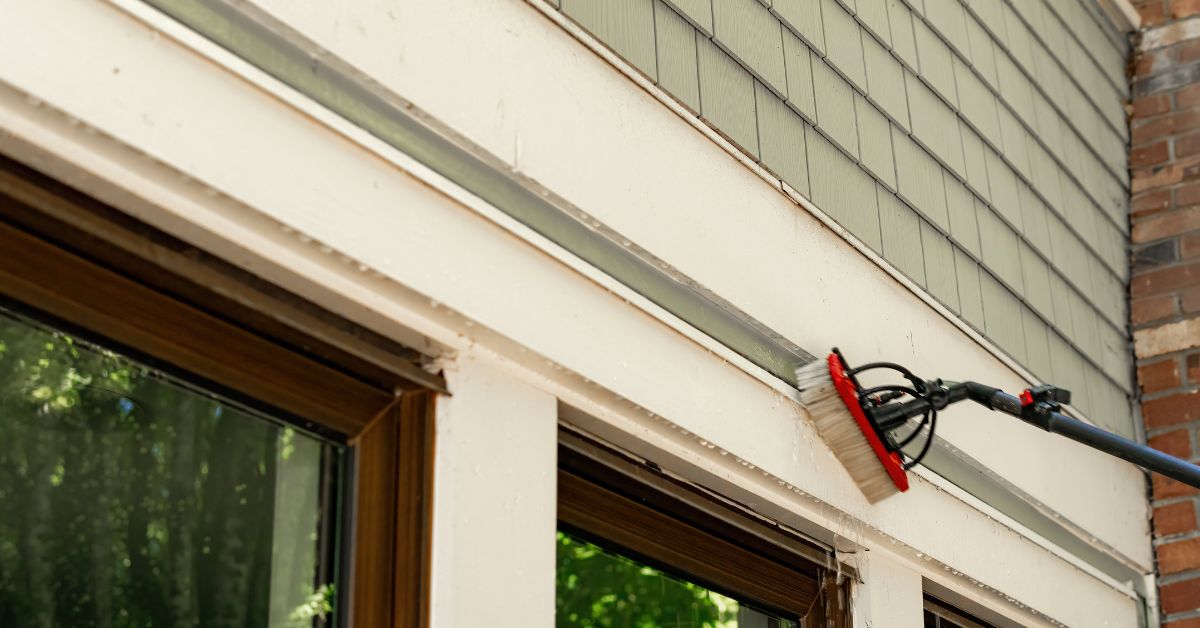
<point>848,390</point>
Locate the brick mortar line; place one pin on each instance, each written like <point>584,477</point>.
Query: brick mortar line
<point>1174,501</point>
<point>1176,318</point>
<point>1178,537</point>
<point>1166,25</point>
<point>1182,576</point>
<point>1163,394</point>
<point>1171,539</point>
<point>1182,616</point>
<point>1166,357</point>
<point>1160,431</point>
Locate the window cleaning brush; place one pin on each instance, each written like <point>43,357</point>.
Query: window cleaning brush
<point>868,428</point>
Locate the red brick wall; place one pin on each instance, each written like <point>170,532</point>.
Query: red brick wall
<point>1165,287</point>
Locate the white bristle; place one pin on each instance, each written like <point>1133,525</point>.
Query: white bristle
<point>841,432</point>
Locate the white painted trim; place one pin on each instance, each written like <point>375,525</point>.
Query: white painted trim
<point>494,500</point>
<point>890,596</point>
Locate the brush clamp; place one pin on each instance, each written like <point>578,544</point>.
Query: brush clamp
<point>927,398</point>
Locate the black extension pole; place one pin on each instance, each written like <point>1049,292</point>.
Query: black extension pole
<point>1090,435</point>
<point>891,416</point>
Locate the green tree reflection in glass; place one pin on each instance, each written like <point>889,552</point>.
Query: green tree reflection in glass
<point>129,499</point>
<point>598,588</point>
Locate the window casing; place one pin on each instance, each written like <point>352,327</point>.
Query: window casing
<point>88,269</point>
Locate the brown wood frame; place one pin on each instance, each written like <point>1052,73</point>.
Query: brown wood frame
<point>94,269</point>
<point>614,500</point>
<point>393,452</point>
<point>947,616</point>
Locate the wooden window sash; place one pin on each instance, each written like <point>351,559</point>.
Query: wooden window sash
<point>635,509</point>
<point>123,282</point>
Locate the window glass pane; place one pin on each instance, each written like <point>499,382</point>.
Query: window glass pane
<point>596,587</point>
<point>130,499</point>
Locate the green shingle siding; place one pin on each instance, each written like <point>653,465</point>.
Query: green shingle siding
<point>1033,218</point>
<point>935,125</point>
<point>626,26</point>
<point>949,19</point>
<point>875,142</point>
<point>843,190</point>
<point>919,179</point>
<point>1019,37</point>
<point>960,205</point>
<point>1014,139</point>
<point>974,160</point>
<point>748,31</point>
<point>1001,250</point>
<point>1086,324</point>
<point>1067,363</point>
<point>983,52</point>
<point>939,266</point>
<point>970,299</point>
<point>781,136</point>
<point>727,96</point>
<point>936,62</point>
<point>677,71</point>
<point>903,43</point>
<point>1045,175</point>
<point>1060,297</point>
<point>977,103</point>
<point>1002,316</point>
<point>797,59</point>
<point>1037,344</point>
<point>803,17</point>
<point>698,12</point>
<point>991,15</point>
<point>1002,185</point>
<point>885,82</point>
<point>843,37</point>
<point>835,107</point>
<point>873,15</point>
<point>901,227</point>
<point>1035,274</point>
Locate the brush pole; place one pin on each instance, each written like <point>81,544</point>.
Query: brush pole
<point>1090,435</point>
<point>892,416</point>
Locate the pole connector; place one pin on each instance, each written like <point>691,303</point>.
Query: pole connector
<point>1038,404</point>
